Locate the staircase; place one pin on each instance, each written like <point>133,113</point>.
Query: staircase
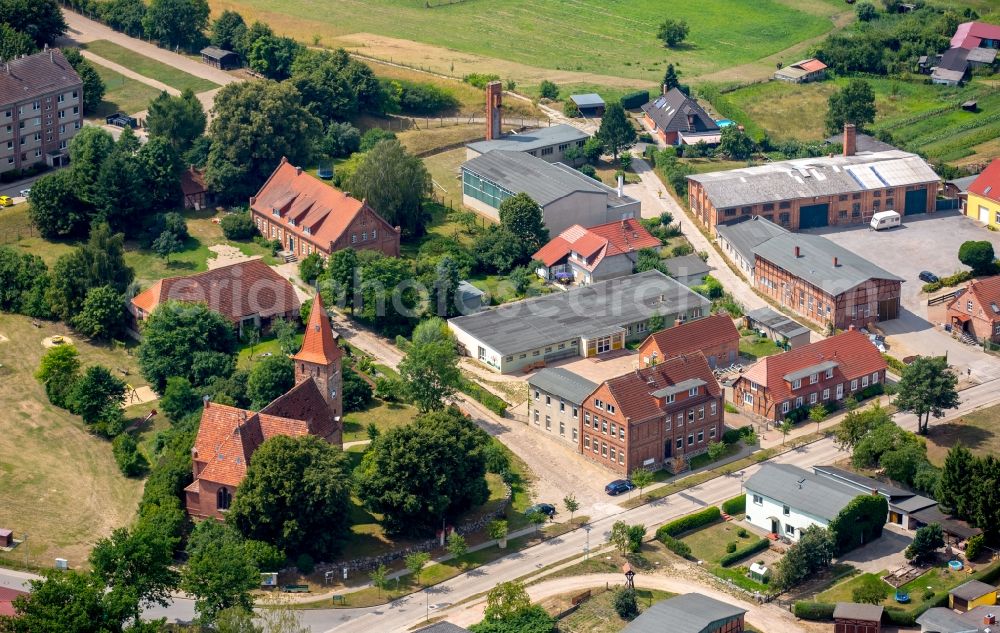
<point>288,256</point>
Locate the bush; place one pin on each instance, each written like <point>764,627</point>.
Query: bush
<point>357,392</point>
<point>730,547</point>
<point>807,610</point>
<point>625,603</point>
<point>635,99</point>
<point>928,594</point>
<point>690,522</point>
<point>742,533</point>
<point>680,548</point>
<point>548,90</point>
<point>947,282</point>
<point>739,554</point>
<point>484,397</point>
<point>420,98</point>
<point>871,391</point>
<point>900,617</point>
<point>479,80</point>
<point>974,546</point>
<point>736,505</point>
<point>238,226</point>
<point>305,564</point>
<point>390,389</point>
<point>130,461</point>
<point>731,436</point>
<point>895,364</point>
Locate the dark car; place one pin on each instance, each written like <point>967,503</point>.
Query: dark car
<point>619,486</point>
<point>543,508</point>
<point>927,276</point>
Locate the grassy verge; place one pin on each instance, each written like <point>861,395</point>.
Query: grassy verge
<point>122,94</point>
<point>148,67</point>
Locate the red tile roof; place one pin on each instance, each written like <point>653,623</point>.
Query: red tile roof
<point>987,184</point>
<point>7,597</point>
<point>237,291</point>
<point>633,391</point>
<point>696,335</point>
<point>971,34</point>
<point>852,350</point>
<point>311,203</point>
<point>318,344</point>
<point>597,242</point>
<point>302,402</point>
<point>811,65</point>
<point>987,293</point>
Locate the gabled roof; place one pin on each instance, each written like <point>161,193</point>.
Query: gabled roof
<point>863,143</point>
<point>36,75</point>
<point>749,234</point>
<point>972,590</point>
<point>696,335</point>
<point>7,597</point>
<point>531,140</point>
<point>563,383</point>
<point>215,52</point>
<point>686,266</point>
<point>193,181</point>
<point>318,344</point>
<point>304,402</point>
<point>944,620</point>
<point>801,490</point>
<point>312,204</point>
<point>863,484</point>
<point>776,322</point>
<point>676,112</point>
<point>972,34</point>
<point>686,613</point>
<point>855,611</point>
<point>854,353</point>
<point>236,291</point>
<point>810,65</point>
<point>987,294</point>
<point>987,184</point>
<point>637,392</point>
<point>603,240</point>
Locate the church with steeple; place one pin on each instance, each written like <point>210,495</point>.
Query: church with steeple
<point>228,436</point>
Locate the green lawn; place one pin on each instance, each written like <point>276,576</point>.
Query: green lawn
<point>976,431</point>
<point>385,415</point>
<point>122,94</point>
<point>754,347</point>
<point>703,459</point>
<point>597,614</point>
<point>615,38</point>
<point>148,67</point>
<point>501,291</point>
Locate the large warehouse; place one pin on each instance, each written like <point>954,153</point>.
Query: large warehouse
<point>808,193</point>
<point>584,321</point>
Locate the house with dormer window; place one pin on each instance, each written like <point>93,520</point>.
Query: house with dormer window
<point>823,372</point>
<point>975,310</point>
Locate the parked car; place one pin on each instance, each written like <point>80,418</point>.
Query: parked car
<point>619,486</point>
<point>26,193</point>
<point>544,508</point>
<point>878,341</point>
<point>928,277</point>
<point>6,201</point>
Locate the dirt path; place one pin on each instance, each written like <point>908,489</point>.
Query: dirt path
<point>131,74</point>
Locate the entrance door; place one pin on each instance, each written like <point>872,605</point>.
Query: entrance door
<point>775,526</point>
<point>814,215</point>
<point>984,214</point>
<point>291,243</point>
<point>603,344</point>
<point>916,201</point>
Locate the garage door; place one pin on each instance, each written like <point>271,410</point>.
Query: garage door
<point>916,201</point>
<point>814,215</point>
<point>984,214</point>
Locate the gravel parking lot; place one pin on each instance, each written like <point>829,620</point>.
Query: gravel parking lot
<point>923,242</point>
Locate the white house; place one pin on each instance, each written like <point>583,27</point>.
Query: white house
<point>785,499</point>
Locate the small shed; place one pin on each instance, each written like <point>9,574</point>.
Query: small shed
<point>851,617</point>
<point>970,106</point>
<point>196,194</point>
<point>759,572</point>
<point>971,595</point>
<point>470,298</point>
<point>220,58</point>
<point>690,270</point>
<point>589,105</point>
<point>6,537</point>
<point>787,333</point>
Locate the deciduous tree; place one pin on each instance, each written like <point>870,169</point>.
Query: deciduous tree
<point>24,280</point>
<point>136,567</point>
<point>926,540</point>
<point>99,262</point>
<point>273,55</point>
<point>521,217</point>
<point>219,572</point>
<point>58,371</point>
<point>927,388</point>
<point>180,120</point>
<point>176,23</point>
<point>978,255</point>
<point>97,397</point>
<point>41,20</point>
<point>66,601</point>
<point>394,183</point>
<point>430,368</point>
<point>813,552</point>
<point>854,103</point>
<point>735,143</point>
<point>187,340</point>
<point>13,43</point>
<point>102,315</point>
<point>93,85</point>
<point>269,379</point>
<point>124,15</point>
<point>672,32</point>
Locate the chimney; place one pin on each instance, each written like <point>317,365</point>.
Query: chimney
<point>989,618</point>
<point>665,89</point>
<point>298,171</point>
<point>850,139</point>
<point>205,400</point>
<point>494,110</point>
<point>798,251</point>
<point>851,327</point>
<point>836,261</point>
<point>621,188</point>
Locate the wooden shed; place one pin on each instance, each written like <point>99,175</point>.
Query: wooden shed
<point>6,537</point>
<point>220,58</point>
<point>851,617</point>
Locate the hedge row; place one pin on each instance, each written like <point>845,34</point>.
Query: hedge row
<point>808,610</point>
<point>635,99</point>
<point>740,554</point>
<point>896,365</point>
<point>676,546</point>
<point>689,522</point>
<point>484,397</point>
<point>953,280</point>
<point>736,505</point>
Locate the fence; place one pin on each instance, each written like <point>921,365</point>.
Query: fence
<point>11,236</point>
<point>946,204</point>
<point>948,296</point>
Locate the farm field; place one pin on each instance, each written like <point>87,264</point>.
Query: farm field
<point>920,117</point>
<point>122,94</point>
<point>61,484</point>
<point>612,39</point>
<point>148,67</point>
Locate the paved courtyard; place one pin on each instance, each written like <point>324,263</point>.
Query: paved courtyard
<point>924,242</point>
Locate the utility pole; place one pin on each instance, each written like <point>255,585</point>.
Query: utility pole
<point>586,550</point>
<point>25,543</point>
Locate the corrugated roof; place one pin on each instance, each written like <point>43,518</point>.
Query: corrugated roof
<point>815,262</point>
<point>564,316</point>
<point>588,100</point>
<point>686,613</point>
<point>813,177</point>
<point>36,75</point>
<point>944,620</point>
<point>215,52</point>
<point>671,113</point>
<point>686,266</point>
<point>563,383</point>
<point>801,490</point>
<point>531,139</point>
<point>971,34</point>
<point>747,235</point>
<point>855,611</point>
<point>777,322</point>
<point>522,173</point>
<point>810,65</point>
<point>987,184</point>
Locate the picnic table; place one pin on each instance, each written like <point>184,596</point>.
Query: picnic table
<point>295,588</point>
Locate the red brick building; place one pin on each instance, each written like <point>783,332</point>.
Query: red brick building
<point>825,371</point>
<point>714,336</point>
<point>851,617</point>
<point>309,216</point>
<point>975,310</point>
<point>228,436</point>
<point>656,417</point>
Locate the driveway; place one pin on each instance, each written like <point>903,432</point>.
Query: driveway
<point>924,242</point>
<point>882,554</point>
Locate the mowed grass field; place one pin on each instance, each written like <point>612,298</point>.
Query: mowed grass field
<point>978,431</point>
<point>60,483</point>
<point>148,67</point>
<point>615,38</point>
<point>921,117</point>
<point>122,94</point>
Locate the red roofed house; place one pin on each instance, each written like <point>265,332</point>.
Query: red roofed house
<point>802,71</point>
<point>7,598</point>
<point>228,436</point>
<point>976,35</point>
<point>309,216</point>
<point>245,293</point>
<point>983,196</point>
<point>715,336</point>
<point>655,417</point>
<point>975,310</point>
<point>825,371</point>
<point>595,254</point>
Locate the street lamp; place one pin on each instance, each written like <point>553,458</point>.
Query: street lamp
<point>26,550</point>
<point>586,550</point>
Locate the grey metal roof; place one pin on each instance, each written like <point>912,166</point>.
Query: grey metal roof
<point>563,383</point>
<point>950,525</point>
<point>671,113</point>
<point>913,504</point>
<point>805,372</point>
<point>588,100</point>
<point>215,52</point>
<point>614,199</point>
<point>777,322</point>
<point>962,184</point>
<point>679,387</point>
<point>944,74</point>
<point>442,627</point>
<point>531,139</point>
<point>518,172</point>
<point>686,266</point>
<point>812,177</point>
<point>468,289</point>
<point>972,590</point>
<point>855,611</point>
<point>863,143</point>
<point>801,490</point>
<point>981,55</point>
<point>863,484</point>
<point>686,613</point>
<point>747,235</point>
<point>942,620</point>
<point>563,316</point>
<point>954,59</point>
<point>815,262</point>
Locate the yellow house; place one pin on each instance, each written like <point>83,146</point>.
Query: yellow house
<point>972,594</point>
<point>984,196</point>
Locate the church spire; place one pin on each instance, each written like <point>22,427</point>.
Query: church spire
<point>318,344</point>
